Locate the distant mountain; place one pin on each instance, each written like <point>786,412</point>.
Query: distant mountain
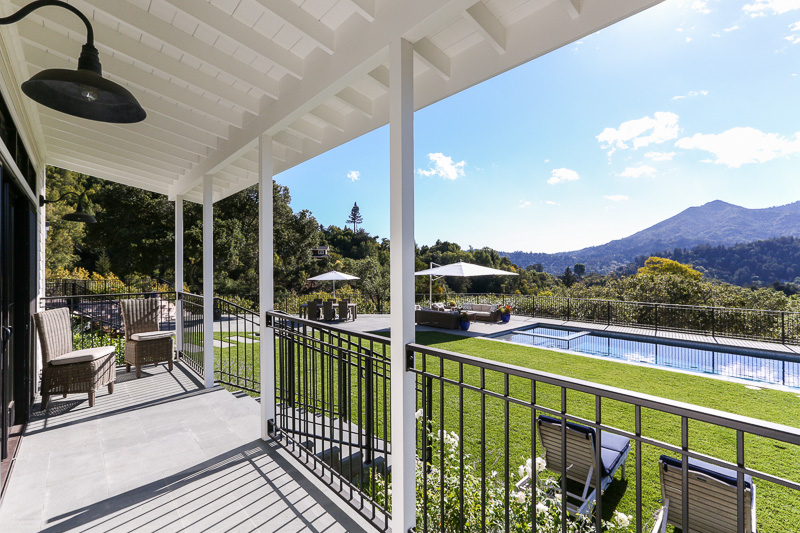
<point>713,224</point>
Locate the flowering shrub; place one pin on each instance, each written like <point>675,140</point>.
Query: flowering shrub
<point>504,309</point>
<point>443,479</point>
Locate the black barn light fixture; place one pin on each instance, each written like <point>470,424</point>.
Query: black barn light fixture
<point>80,215</point>
<point>83,92</point>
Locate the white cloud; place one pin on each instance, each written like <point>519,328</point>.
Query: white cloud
<point>732,28</point>
<point>523,204</point>
<point>663,126</point>
<point>660,156</point>
<point>616,197</point>
<point>546,160</point>
<point>559,175</point>
<point>794,38</point>
<point>443,167</point>
<point>760,7</point>
<point>551,202</point>
<point>688,39</point>
<point>638,172</point>
<point>691,94</point>
<point>701,6</point>
<point>739,146</point>
<point>353,175</point>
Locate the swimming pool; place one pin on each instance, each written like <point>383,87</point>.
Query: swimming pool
<point>768,368</point>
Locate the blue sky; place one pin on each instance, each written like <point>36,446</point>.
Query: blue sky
<point>688,102</point>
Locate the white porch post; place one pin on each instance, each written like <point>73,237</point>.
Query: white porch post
<point>208,281</point>
<point>401,119</point>
<point>179,271</point>
<point>266,290</point>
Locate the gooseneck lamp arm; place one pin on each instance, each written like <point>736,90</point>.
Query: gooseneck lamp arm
<point>83,92</point>
<point>33,6</point>
<point>43,200</point>
<point>79,215</point>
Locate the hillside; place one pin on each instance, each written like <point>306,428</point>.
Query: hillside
<point>715,223</point>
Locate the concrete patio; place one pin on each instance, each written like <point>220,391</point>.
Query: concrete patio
<point>162,454</point>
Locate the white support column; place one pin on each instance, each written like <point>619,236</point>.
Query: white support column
<point>208,281</point>
<point>179,271</point>
<point>401,132</point>
<point>266,291</point>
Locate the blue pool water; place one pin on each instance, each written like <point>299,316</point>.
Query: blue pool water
<point>763,369</point>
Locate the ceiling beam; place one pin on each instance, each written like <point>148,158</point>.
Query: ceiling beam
<point>142,21</point>
<point>329,116</point>
<point>381,76</point>
<point>243,34</point>
<point>489,26</point>
<point>307,130</point>
<point>433,57</point>
<point>365,8</point>
<point>573,8</point>
<point>356,100</point>
<point>105,174</point>
<point>302,21</point>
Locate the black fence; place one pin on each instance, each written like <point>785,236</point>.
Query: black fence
<point>478,417</point>
<point>751,324</point>
<point>237,362</point>
<point>82,287</point>
<point>332,408</point>
<point>97,319</point>
<point>191,349</point>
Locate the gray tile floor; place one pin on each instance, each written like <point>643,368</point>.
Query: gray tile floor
<point>162,454</point>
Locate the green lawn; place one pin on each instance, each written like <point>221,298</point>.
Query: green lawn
<point>778,509</point>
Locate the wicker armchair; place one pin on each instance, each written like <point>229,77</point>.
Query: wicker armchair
<point>65,370</point>
<point>144,342</point>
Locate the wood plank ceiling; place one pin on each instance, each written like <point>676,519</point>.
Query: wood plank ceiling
<point>215,75</point>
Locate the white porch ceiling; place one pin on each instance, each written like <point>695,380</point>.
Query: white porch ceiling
<point>215,75</point>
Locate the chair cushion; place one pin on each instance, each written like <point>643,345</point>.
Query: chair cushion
<point>613,446</point>
<point>466,306</point>
<point>726,475</point>
<point>151,335</point>
<point>86,355</point>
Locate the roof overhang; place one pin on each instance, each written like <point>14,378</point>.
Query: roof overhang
<point>216,75</point>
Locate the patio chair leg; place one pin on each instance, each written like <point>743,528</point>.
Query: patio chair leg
<point>45,400</point>
<point>169,365</point>
<point>127,367</point>
<point>65,395</point>
<point>111,388</point>
<point>91,398</point>
<point>138,371</point>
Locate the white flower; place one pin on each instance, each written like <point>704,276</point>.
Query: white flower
<point>541,508</point>
<point>520,496</point>
<point>540,464</point>
<point>521,471</point>
<point>418,414</point>
<point>621,519</point>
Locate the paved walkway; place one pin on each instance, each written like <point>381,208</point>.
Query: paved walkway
<point>162,454</point>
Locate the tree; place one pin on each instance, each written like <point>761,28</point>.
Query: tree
<point>659,265</point>
<point>580,270</point>
<point>569,278</point>
<point>355,216</point>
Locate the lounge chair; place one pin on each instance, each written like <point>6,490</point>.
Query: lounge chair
<point>712,497</point>
<point>581,465</point>
<point>65,370</point>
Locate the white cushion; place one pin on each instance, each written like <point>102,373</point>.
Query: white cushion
<point>466,306</point>
<point>482,308</point>
<point>151,335</point>
<point>86,355</point>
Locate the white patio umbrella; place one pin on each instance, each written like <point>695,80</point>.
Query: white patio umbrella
<point>333,276</point>
<point>460,270</point>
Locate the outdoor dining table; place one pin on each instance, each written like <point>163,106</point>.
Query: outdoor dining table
<point>352,307</point>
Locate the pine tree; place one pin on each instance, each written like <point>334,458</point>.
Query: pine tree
<point>355,216</point>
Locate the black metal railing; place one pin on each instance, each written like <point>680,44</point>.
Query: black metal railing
<point>237,362</point>
<point>368,304</point>
<point>97,318</point>
<point>751,324</point>
<point>482,416</point>
<point>332,408</point>
<point>191,350</point>
<point>80,287</point>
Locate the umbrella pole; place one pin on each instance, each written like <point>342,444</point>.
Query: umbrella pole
<point>430,293</point>
<point>334,289</point>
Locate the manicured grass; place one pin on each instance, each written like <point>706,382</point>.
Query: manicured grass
<point>778,509</point>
